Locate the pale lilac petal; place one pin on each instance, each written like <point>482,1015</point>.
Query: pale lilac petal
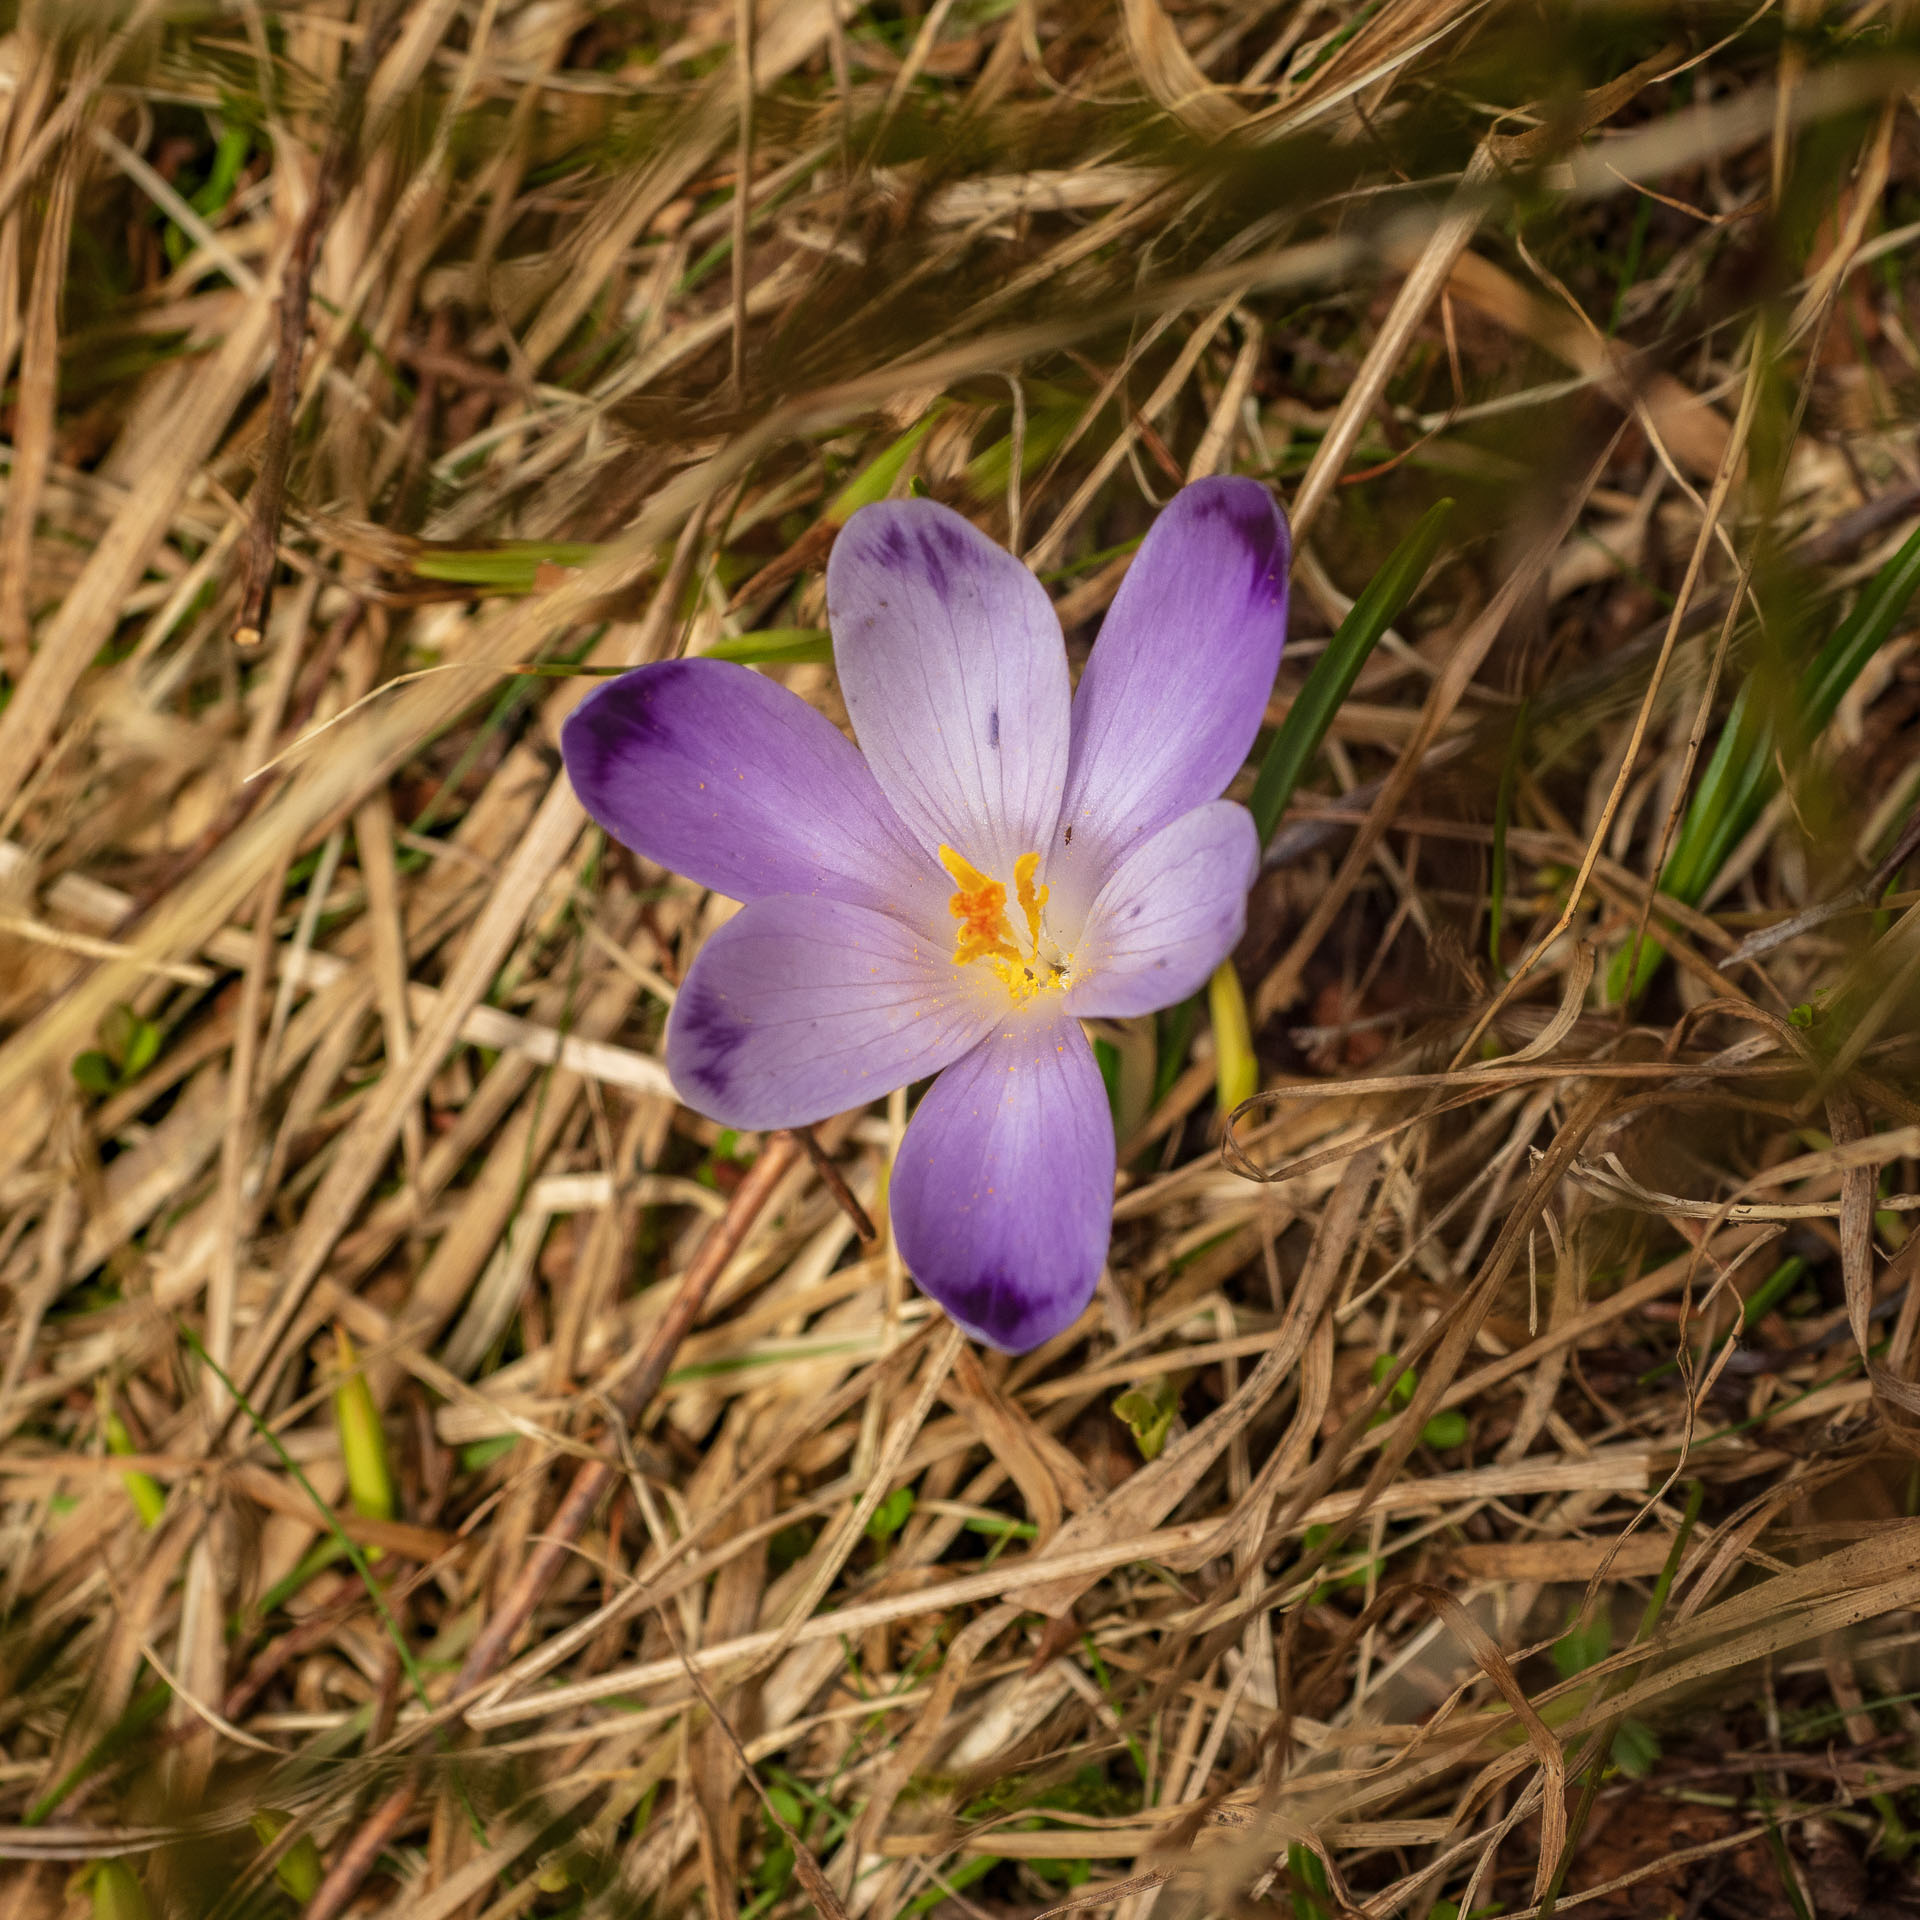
<point>955,677</point>
<point>1174,691</point>
<point>798,1008</point>
<point>1003,1192</point>
<point>1172,910</point>
<point>724,775</point>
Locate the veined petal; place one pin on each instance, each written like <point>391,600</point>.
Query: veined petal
<point>955,677</point>
<point>725,776</point>
<point>1002,1195</point>
<point>1178,680</point>
<point>801,1007</point>
<point>1172,910</point>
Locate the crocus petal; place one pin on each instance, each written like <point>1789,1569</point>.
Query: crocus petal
<point>1003,1191</point>
<point>798,1008</point>
<point>955,677</point>
<point>724,775</point>
<point>1172,910</point>
<point>1178,680</point>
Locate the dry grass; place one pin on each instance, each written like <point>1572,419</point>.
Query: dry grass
<point>441,1476</point>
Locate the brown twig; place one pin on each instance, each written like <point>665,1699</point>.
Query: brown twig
<point>835,1183</point>
<point>357,1857</point>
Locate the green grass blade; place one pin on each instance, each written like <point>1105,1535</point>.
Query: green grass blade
<point>1334,673</point>
<point>775,647</point>
<point>1882,603</point>
<point>513,567</point>
<point>875,480</point>
<point>1743,773</point>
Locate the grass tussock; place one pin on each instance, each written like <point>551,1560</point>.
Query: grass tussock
<point>442,1476</point>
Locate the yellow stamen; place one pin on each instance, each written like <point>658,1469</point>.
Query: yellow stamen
<point>980,906</point>
<point>1032,899</point>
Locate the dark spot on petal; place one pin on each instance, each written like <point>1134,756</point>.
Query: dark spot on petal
<point>993,728</point>
<point>710,1036</point>
<point>1069,836</point>
<point>630,713</point>
<point>995,1304</point>
<point>933,561</point>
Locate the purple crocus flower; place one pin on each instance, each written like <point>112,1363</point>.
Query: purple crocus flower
<point>996,862</point>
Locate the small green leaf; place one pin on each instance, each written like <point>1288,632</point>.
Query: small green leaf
<point>479,1454</point>
<point>363,1441</point>
<point>93,1073</point>
<point>1317,1536</point>
<point>300,1869</point>
<point>119,1032</point>
<point>1149,1412</point>
<point>1333,674</point>
<point>891,1515</point>
<point>1636,1749</point>
<point>148,1496</point>
<point>117,1894</point>
<point>1399,1395</point>
<point>1068,1873</point>
<point>142,1052</point>
<point>1582,1645</point>
<point>775,1872</point>
<point>1447,1429</point>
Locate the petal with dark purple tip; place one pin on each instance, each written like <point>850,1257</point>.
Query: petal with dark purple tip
<point>1178,680</point>
<point>798,1008</point>
<point>955,678</point>
<point>1172,910</point>
<point>1002,1195</point>
<point>724,775</point>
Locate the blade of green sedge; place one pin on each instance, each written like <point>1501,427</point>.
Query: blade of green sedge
<point>1744,773</point>
<point>513,567</point>
<point>1331,680</point>
<point>875,480</point>
<point>140,1713</point>
<point>1291,753</point>
<point>775,646</point>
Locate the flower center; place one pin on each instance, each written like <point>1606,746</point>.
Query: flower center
<point>979,906</point>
